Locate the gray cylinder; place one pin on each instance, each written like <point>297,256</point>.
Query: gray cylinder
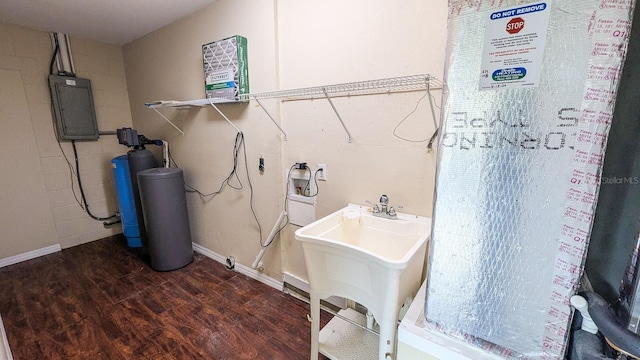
<point>140,159</point>
<point>164,205</point>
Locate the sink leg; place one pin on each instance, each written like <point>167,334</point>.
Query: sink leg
<point>315,326</point>
<point>387,338</point>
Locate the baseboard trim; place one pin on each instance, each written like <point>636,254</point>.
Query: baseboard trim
<point>5,351</point>
<point>29,255</point>
<point>296,282</point>
<point>242,269</point>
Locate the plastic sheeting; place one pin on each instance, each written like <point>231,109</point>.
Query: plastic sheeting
<point>526,118</point>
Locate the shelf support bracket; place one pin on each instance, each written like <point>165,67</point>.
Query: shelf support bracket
<point>169,121</point>
<point>324,90</point>
<point>271,117</point>
<point>433,112</point>
<point>223,115</point>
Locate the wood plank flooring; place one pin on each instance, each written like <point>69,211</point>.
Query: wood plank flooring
<point>100,301</point>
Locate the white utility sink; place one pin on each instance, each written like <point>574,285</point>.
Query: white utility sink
<point>374,261</point>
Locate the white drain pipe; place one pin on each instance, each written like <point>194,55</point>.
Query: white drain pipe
<point>582,306</point>
<point>165,154</point>
<point>272,234</point>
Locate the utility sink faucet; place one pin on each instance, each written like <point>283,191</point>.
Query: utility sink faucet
<point>384,210</point>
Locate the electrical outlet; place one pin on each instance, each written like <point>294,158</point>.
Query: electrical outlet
<point>231,262</point>
<point>322,172</point>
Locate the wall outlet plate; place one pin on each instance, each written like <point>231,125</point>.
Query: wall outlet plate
<point>322,172</point>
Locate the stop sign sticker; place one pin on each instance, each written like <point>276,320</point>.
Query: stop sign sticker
<point>515,25</point>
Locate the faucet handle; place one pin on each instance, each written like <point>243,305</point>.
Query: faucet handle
<point>392,209</point>
<point>376,209</point>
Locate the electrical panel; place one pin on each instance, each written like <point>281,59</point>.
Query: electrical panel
<point>74,108</point>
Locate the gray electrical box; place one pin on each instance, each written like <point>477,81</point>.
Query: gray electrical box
<point>74,110</point>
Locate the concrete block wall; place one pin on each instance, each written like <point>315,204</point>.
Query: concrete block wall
<point>28,52</point>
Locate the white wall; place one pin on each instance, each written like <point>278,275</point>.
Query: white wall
<point>335,41</point>
<point>51,214</point>
<point>294,44</point>
<point>167,65</point>
<point>291,44</point>
<point>25,224</point>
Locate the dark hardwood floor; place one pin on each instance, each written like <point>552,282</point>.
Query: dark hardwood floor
<point>100,301</point>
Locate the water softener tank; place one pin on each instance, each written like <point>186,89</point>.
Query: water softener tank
<point>140,159</point>
<point>126,202</point>
<point>164,205</point>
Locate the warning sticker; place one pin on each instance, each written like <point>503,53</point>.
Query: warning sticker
<point>514,42</point>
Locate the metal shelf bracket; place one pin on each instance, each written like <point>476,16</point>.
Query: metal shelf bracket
<point>223,115</point>
<point>271,117</point>
<point>324,90</point>
<point>169,121</point>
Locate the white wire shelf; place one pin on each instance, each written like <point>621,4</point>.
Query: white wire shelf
<point>187,103</point>
<point>368,87</point>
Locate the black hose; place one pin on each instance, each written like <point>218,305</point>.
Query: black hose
<point>587,346</point>
<point>53,57</point>
<point>609,326</point>
<point>111,223</point>
<point>84,199</point>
